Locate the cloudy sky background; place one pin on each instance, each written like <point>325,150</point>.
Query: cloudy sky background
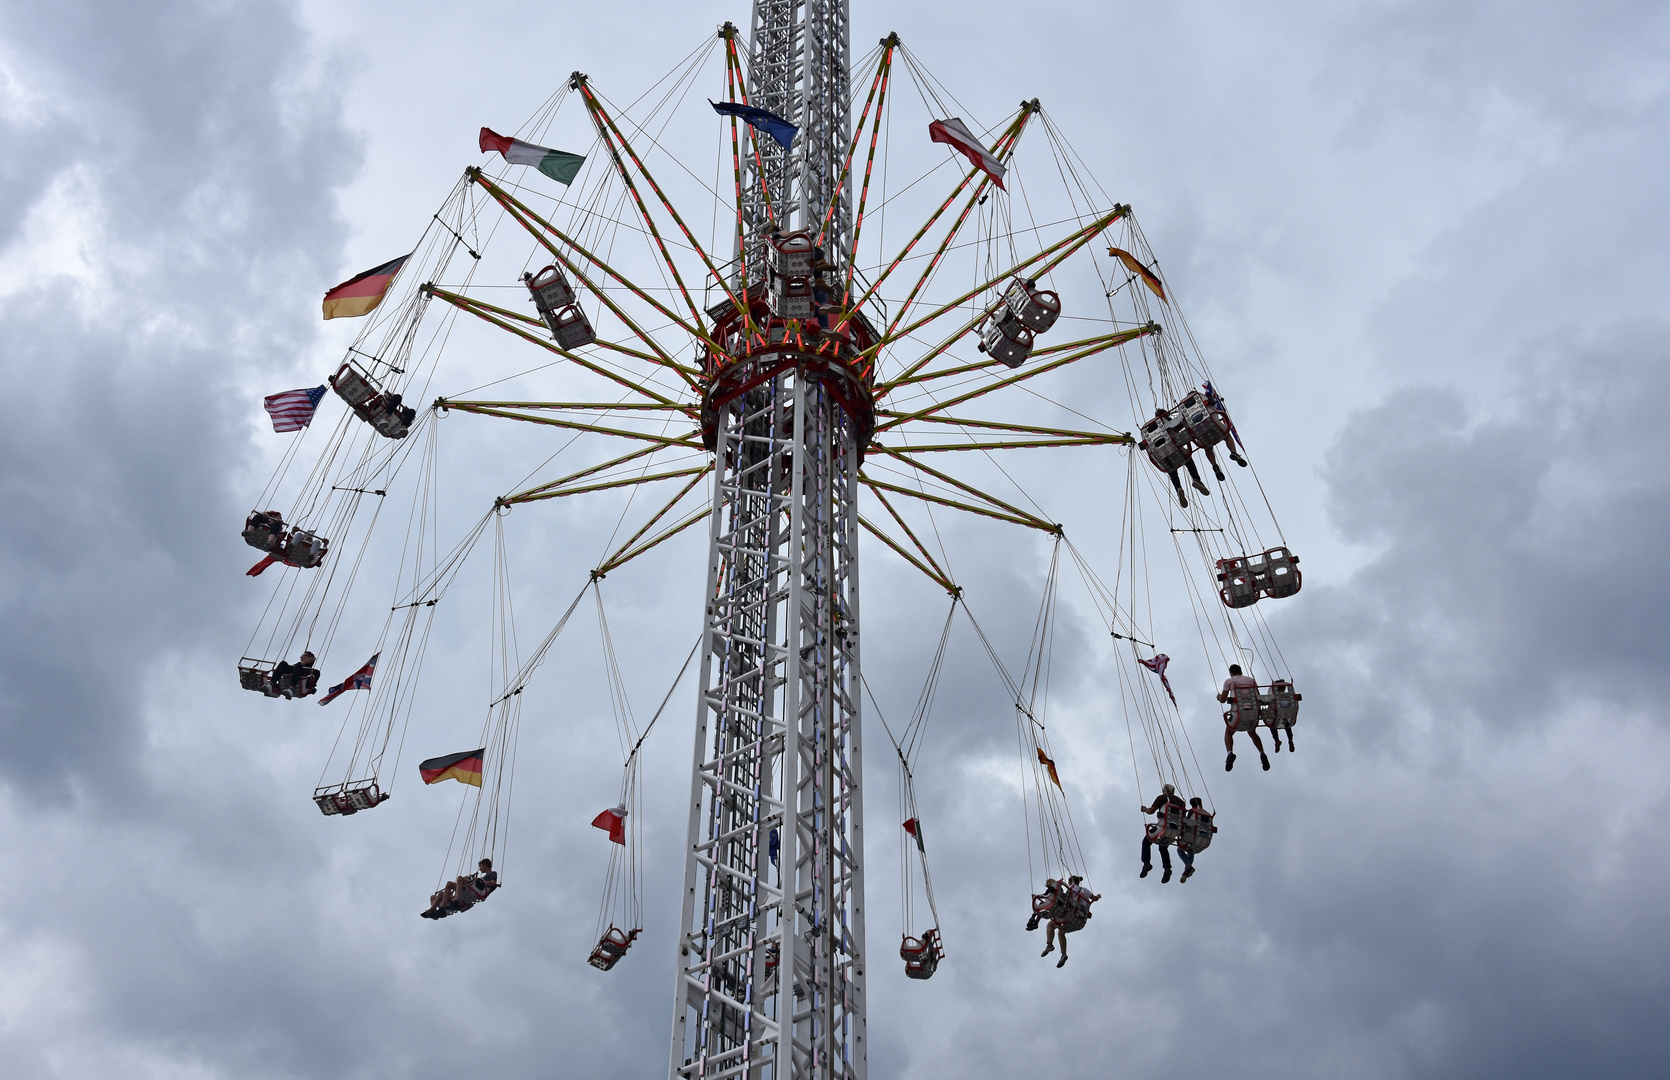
<point>1423,245</point>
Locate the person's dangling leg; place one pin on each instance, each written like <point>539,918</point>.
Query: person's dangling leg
<point>1194,477</point>
<point>1178,486</point>
<point>1258,744</point>
<point>1217,470</point>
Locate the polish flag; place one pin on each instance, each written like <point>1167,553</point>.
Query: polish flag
<point>955,134</point>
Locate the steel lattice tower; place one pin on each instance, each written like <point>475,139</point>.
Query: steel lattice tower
<point>771,952</point>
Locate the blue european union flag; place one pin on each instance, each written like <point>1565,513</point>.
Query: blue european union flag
<point>758,119</point>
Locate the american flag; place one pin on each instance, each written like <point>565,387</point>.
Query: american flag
<point>359,680</point>
<point>1158,666</point>
<point>293,409</point>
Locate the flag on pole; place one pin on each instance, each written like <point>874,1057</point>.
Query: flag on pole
<point>1134,265</point>
<point>359,680</point>
<point>613,822</point>
<point>1046,762</point>
<point>361,294</point>
<point>758,119</point>
<point>1158,666</point>
<point>559,165</point>
<point>914,828</point>
<point>955,133</point>
<point>293,409</point>
<point>465,768</point>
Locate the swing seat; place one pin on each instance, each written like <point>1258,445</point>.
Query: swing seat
<point>1167,825</point>
<point>1197,831</point>
<point>1241,584</point>
<point>1036,308</point>
<point>296,682</point>
<point>256,675</point>
<point>1279,572</point>
<point>264,530</point>
<point>382,411</point>
<point>550,290</point>
<point>1206,425</point>
<point>350,798</point>
<point>611,947</point>
<point>305,549</point>
<point>1166,442</point>
<point>921,955</point>
<point>570,327</point>
<point>1284,705</point>
<point>1243,711</point>
<point>1007,339</point>
<point>791,297</point>
<point>791,254</point>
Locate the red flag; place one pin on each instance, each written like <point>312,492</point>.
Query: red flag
<point>1045,761</point>
<point>955,133</point>
<point>612,821</point>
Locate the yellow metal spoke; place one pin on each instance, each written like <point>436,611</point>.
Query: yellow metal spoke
<point>1117,337</point>
<point>619,560</point>
<point>914,539</point>
<point>464,303</point>
<point>1025,519</point>
<point>689,439</point>
<point>937,579</point>
<point>960,485</point>
<point>1030,373</point>
<point>545,491</point>
<point>666,508</point>
<point>1061,250</point>
<point>527,219</point>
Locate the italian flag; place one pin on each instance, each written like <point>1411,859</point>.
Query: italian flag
<point>559,165</point>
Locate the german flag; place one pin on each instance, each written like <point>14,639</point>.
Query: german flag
<point>360,294</point>
<point>464,768</point>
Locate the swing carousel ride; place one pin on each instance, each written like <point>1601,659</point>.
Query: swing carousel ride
<point>792,382</point>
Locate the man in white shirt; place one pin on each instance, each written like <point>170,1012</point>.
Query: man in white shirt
<point>1234,686</point>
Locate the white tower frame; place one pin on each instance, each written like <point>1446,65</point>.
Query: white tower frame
<point>771,953</point>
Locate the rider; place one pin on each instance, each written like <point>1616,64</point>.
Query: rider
<point>1077,898</point>
<point>1184,853</point>
<point>1167,796</point>
<point>464,893</point>
<point>1188,462</point>
<point>1235,685</point>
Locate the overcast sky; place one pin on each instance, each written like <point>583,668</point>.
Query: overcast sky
<point>1422,244</point>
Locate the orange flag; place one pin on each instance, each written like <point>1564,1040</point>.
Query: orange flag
<point>1135,266</point>
<point>1050,765</point>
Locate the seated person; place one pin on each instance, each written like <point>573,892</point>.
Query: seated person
<point>298,679</point>
<point>464,893</point>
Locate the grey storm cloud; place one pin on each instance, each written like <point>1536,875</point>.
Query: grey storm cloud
<point>1422,242</point>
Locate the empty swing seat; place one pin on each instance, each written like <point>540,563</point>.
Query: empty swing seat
<point>1197,831</point>
<point>551,290</point>
<point>256,675</point>
<point>305,549</point>
<point>1278,570</point>
<point>611,947</point>
<point>350,798</point>
<point>1037,309</point>
<point>1239,584</point>
<point>921,955</point>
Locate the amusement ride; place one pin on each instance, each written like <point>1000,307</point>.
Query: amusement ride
<point>798,383</point>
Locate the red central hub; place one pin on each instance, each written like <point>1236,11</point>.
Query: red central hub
<point>829,349</point>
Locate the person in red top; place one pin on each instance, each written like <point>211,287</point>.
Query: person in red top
<point>1236,684</point>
